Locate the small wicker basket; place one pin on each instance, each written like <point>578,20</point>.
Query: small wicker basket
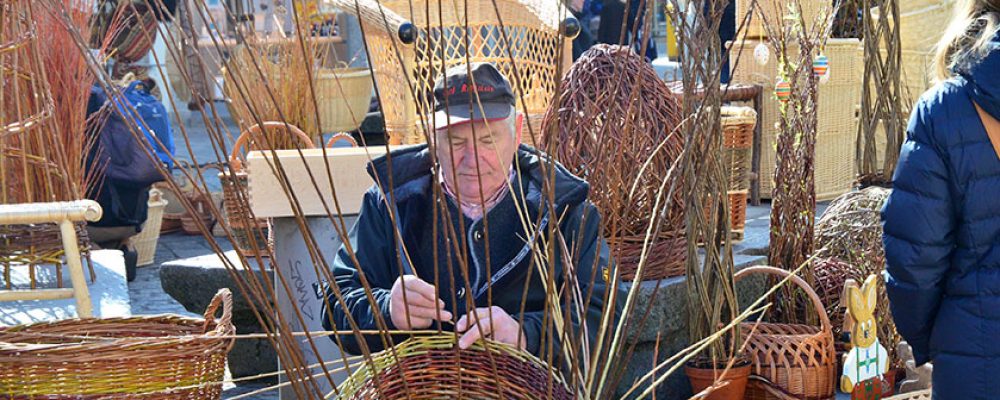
<point>797,360</point>
<point>666,257</point>
<point>145,242</point>
<point>149,357</point>
<point>431,367</point>
<point>252,235</point>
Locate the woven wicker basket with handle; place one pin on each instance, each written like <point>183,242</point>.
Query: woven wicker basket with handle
<point>432,367</point>
<point>797,360</point>
<point>252,235</point>
<point>148,357</point>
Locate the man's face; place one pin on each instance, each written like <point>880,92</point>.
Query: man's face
<point>480,151</point>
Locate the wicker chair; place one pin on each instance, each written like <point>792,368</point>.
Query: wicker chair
<point>533,62</point>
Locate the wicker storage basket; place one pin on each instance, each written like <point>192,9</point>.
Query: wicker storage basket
<point>666,259</point>
<point>343,95</point>
<point>151,357</point>
<point>921,28</point>
<point>837,127</point>
<point>795,359</point>
<point>145,242</point>
<point>252,235</point>
<point>431,367</point>
<point>775,11</point>
<point>738,124</point>
<point>35,245</point>
<point>532,26</point>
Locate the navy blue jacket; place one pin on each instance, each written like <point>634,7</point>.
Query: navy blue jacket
<point>942,235</point>
<point>505,268</point>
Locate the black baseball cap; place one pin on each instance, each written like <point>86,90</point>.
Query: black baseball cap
<point>455,92</point>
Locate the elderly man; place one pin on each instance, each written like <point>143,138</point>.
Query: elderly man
<point>461,258</point>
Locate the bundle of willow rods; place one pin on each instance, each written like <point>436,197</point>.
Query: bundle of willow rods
<point>613,114</point>
<point>850,231</point>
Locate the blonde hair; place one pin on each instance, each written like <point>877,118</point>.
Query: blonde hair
<point>968,36</point>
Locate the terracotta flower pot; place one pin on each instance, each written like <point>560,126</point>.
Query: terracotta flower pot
<point>702,378</point>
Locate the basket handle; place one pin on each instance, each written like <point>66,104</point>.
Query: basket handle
<point>225,298</point>
<point>243,140</point>
<point>342,136</point>
<point>824,319</point>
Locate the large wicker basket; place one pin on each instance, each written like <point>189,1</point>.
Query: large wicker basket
<point>343,95</point>
<point>798,360</point>
<point>252,235</point>
<point>921,28</point>
<point>531,62</point>
<point>776,11</point>
<point>145,242</point>
<point>431,367</point>
<point>837,127</point>
<point>150,357</point>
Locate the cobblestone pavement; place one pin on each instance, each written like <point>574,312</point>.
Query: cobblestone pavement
<point>147,295</point>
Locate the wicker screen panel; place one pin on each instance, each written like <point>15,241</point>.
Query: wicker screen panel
<point>527,49</point>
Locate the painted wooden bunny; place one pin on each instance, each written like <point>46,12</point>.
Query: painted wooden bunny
<point>867,360</point>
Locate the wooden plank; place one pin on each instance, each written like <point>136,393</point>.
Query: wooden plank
<point>347,165</point>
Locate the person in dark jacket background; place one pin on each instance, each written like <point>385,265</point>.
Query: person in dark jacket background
<point>942,220</point>
<point>474,272</point>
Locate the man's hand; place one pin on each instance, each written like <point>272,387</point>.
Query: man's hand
<point>493,322</point>
<point>421,304</point>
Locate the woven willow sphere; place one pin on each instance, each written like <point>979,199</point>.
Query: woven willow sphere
<point>613,113</point>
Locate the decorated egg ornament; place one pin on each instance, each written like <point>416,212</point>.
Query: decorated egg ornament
<point>783,90</point>
<point>821,65</point>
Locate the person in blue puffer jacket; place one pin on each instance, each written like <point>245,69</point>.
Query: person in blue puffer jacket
<point>942,221</point>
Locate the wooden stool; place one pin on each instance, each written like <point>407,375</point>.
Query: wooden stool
<point>64,214</point>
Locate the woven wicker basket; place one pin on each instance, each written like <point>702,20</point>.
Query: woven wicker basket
<point>666,258</point>
<point>532,26</point>
<point>795,359</point>
<point>343,95</point>
<point>150,357</point>
<point>431,367</point>
<point>738,124</point>
<point>252,235</point>
<point>921,28</point>
<point>145,242</point>
<point>837,127</point>
<point>36,245</point>
<point>775,11</point>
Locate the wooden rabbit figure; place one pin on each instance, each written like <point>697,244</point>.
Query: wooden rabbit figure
<point>867,360</point>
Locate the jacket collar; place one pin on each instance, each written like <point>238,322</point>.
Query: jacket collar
<point>984,79</point>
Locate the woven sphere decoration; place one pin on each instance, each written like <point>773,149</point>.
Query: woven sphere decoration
<point>761,54</point>
<point>783,90</point>
<point>613,113</point>
<point>821,65</point>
